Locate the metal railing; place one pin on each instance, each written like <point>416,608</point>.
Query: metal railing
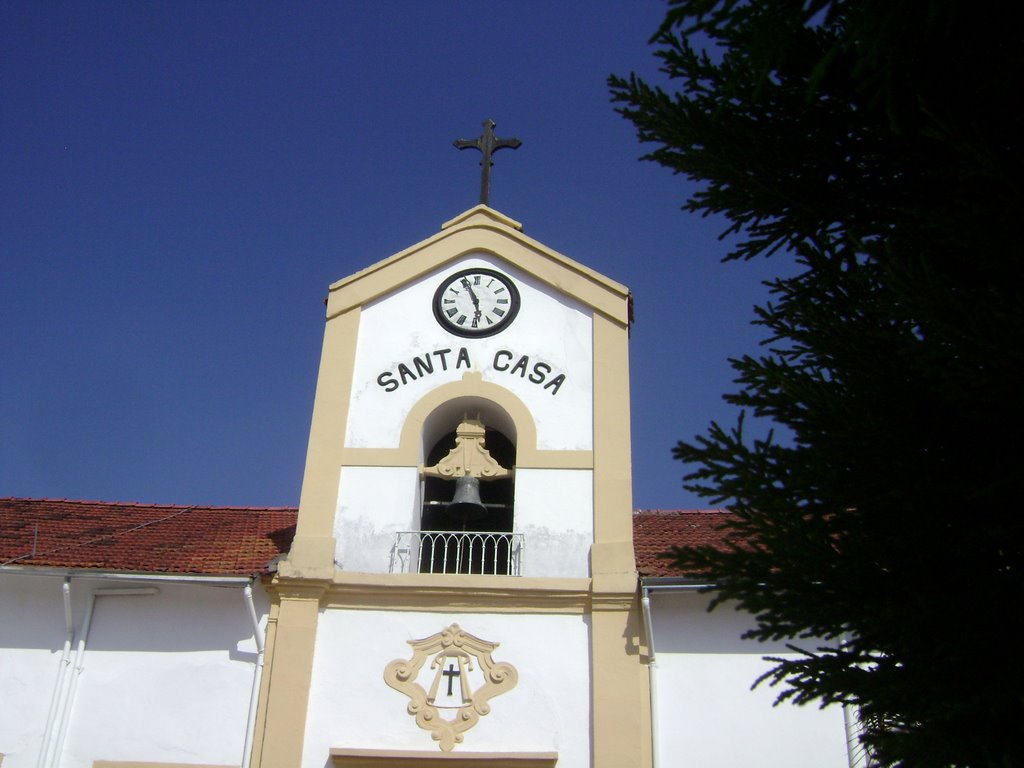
<point>479,552</point>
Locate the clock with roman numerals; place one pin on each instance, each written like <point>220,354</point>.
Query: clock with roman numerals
<point>476,302</point>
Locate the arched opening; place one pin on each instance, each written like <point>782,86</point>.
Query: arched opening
<point>474,536</point>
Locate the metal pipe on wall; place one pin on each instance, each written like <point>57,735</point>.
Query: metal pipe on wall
<point>58,686</point>
<point>652,672</point>
<point>76,671</point>
<point>665,585</point>
<point>254,696</point>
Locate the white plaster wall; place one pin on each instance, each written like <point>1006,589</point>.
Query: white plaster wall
<point>550,328</point>
<point>351,706</point>
<point>373,503</point>
<point>31,637</point>
<point>554,509</point>
<point>166,677</point>
<point>706,714</point>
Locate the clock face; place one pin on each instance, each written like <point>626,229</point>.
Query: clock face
<point>476,302</point>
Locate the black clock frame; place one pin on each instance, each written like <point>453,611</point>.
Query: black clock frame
<point>476,333</point>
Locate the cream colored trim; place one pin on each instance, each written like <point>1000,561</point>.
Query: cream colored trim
<point>613,477</point>
<point>471,385</point>
<point>445,593</point>
<point>391,758</point>
<point>312,553</point>
<point>611,601</point>
<point>136,764</point>
<point>396,457</point>
<point>270,643</point>
<point>501,218</point>
<point>481,230</point>
<point>291,671</point>
<point>620,707</point>
<point>620,702</point>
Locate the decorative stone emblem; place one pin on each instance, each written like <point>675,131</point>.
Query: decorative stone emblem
<point>469,456</point>
<point>450,694</point>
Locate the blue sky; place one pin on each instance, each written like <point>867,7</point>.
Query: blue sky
<point>181,181</point>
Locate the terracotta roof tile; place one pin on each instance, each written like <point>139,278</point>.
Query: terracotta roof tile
<point>119,536</point>
<point>59,533</point>
<point>655,531</point>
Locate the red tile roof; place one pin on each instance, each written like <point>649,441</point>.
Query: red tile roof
<point>239,540</point>
<point>58,533</point>
<point>656,530</point>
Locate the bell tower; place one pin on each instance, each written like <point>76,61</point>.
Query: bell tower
<point>467,476</point>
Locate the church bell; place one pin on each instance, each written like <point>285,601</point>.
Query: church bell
<point>466,503</point>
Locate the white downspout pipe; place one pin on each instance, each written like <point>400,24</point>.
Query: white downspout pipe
<point>254,696</point>
<point>852,740</point>
<point>652,663</point>
<point>79,655</point>
<point>652,671</point>
<point>58,686</point>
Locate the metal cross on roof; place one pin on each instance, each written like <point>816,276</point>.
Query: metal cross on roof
<point>488,144</point>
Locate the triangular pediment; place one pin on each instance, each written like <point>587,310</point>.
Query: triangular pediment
<point>483,211</point>
<point>481,229</point>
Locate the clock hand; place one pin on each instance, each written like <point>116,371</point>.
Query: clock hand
<point>472,295</point>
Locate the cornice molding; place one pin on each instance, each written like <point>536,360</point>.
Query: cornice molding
<point>612,601</point>
<point>299,589</point>
<point>394,758</point>
<point>462,593</point>
<point>447,593</point>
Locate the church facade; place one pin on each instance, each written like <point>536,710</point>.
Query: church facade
<point>476,355</point>
<point>462,583</point>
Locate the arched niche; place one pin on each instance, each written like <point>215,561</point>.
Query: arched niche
<point>446,417</point>
<point>440,411</point>
<point>482,542</point>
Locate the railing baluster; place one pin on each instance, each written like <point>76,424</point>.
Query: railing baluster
<point>457,552</point>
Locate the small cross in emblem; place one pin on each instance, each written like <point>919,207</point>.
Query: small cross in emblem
<point>451,673</point>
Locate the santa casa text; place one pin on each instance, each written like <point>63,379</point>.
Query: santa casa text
<point>504,361</point>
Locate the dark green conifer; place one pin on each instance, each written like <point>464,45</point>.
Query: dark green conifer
<point>877,143</point>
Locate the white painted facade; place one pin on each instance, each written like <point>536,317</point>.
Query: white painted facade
<point>553,507</point>
<point>164,677</point>
<point>551,328</point>
<point>411,382</point>
<point>374,503</point>
<point>547,711</point>
<point>554,511</point>
<point>705,713</point>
